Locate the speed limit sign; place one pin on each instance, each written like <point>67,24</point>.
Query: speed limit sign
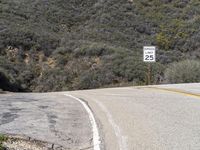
<point>149,53</point>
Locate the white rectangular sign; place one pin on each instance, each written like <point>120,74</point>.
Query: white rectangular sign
<point>149,53</point>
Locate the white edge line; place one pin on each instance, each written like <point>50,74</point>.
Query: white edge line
<point>122,140</point>
<point>96,137</point>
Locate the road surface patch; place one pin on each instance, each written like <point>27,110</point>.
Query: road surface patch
<point>49,117</point>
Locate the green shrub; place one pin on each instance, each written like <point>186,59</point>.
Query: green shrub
<point>163,41</point>
<point>183,72</point>
<point>2,139</point>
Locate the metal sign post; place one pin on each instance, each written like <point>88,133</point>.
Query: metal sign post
<point>149,74</point>
<point>149,56</point>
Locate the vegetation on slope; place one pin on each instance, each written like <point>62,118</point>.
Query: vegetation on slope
<point>2,139</point>
<point>48,45</point>
<point>183,72</point>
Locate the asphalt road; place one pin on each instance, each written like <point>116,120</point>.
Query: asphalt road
<point>132,118</point>
<point>50,117</point>
<point>147,118</point>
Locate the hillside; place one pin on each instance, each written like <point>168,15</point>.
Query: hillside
<point>48,45</point>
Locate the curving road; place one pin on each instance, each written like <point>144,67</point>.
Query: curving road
<point>147,118</point>
<point>163,117</point>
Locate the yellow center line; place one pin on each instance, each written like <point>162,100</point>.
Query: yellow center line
<point>186,93</point>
